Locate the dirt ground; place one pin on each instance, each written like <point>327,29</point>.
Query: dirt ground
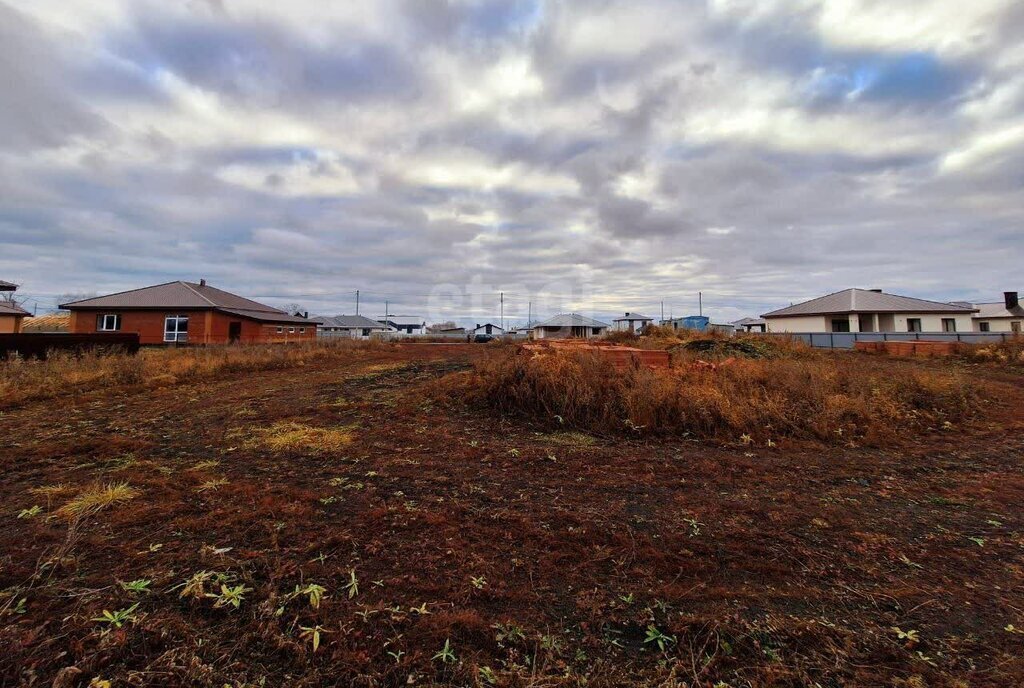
<point>484,551</point>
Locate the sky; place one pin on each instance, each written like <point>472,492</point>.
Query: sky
<point>597,156</point>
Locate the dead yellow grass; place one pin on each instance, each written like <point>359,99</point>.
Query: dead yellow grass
<point>287,436</point>
<point>97,498</point>
<point>61,373</point>
<point>837,400</point>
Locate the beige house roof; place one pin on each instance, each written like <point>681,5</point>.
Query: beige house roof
<point>866,301</point>
<point>8,308</point>
<point>997,310</point>
<point>571,320</point>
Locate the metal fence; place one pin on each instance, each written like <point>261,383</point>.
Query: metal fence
<point>845,340</point>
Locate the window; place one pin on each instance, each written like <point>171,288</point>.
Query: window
<point>1015,326</point>
<point>949,325</point>
<point>280,330</point>
<point>302,330</point>
<point>108,323</point>
<point>841,325</point>
<point>291,330</point>
<point>983,327</point>
<point>176,328</point>
<point>913,324</point>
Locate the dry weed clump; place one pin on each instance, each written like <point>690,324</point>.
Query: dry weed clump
<point>286,436</point>
<point>97,498</point>
<point>63,372</point>
<point>819,398</point>
<point>1009,352</point>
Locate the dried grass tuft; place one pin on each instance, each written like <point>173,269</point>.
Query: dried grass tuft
<point>97,498</point>
<point>287,436</point>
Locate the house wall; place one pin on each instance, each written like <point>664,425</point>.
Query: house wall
<point>204,327</point>
<point>881,322</point>
<point>10,324</point>
<point>562,332</point>
<point>628,325</point>
<point>999,324</point>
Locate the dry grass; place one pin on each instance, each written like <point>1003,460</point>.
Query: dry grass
<point>62,373</point>
<point>832,399</point>
<point>290,436</point>
<point>97,498</point>
<point>1009,353</point>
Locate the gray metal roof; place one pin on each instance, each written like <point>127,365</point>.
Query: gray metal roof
<point>571,320</point>
<point>406,320</point>
<point>633,317</point>
<point>866,301</point>
<point>748,321</point>
<point>998,310</point>
<point>350,321</point>
<point>187,295</point>
<point>8,308</point>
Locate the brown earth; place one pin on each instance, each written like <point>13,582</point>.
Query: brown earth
<point>542,559</point>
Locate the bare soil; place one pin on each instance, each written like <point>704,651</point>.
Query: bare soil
<point>541,558</point>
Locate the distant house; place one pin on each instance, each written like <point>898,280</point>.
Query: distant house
<point>12,315</point>
<point>751,325</point>
<point>405,325</point>
<point>690,322</point>
<point>352,326</point>
<point>567,325</point>
<point>187,313</point>
<point>1004,316</point>
<point>632,322</point>
<point>870,310</point>
<point>488,329</point>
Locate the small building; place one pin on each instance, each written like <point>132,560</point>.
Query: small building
<point>750,325</point>
<point>350,326</point>
<point>489,329</point>
<point>187,313</point>
<point>690,322</point>
<point>404,325</point>
<point>871,310</point>
<point>1004,316</point>
<point>632,322</point>
<point>12,316</point>
<point>568,325</point>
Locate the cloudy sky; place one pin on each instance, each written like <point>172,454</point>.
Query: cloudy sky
<point>600,155</point>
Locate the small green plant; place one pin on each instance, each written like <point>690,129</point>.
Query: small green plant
<point>137,586</point>
<point>312,633</point>
<point>229,595</point>
<point>979,541</point>
<point>35,510</point>
<point>445,654</point>
<point>421,610</point>
<point>509,633</point>
<point>396,655</point>
<point>352,587</point>
<point>479,582</point>
<point>119,618</point>
<point>628,599</point>
<point>655,635</point>
<point>488,676</point>
<point>911,636</point>
<point>21,606</point>
<point>313,591</point>
<point>514,453</point>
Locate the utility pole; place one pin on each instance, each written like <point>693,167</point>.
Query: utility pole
<point>357,302</point>
<point>662,312</point>
<point>502,296</point>
<point>700,303</point>
<point>529,314</point>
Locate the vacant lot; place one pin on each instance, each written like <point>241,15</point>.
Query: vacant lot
<point>339,522</point>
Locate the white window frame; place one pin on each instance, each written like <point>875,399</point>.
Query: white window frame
<point>280,330</point>
<point>291,330</point>
<point>911,322</point>
<point>175,335</point>
<point>949,324</point>
<point>116,317</point>
<point>302,330</point>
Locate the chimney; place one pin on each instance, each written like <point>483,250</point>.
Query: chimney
<point>305,314</point>
<point>1010,297</point>
<point>202,282</point>
<point>877,291</point>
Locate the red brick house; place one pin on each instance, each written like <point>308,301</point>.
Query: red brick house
<point>187,313</point>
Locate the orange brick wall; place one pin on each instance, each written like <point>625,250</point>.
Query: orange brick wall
<point>204,327</point>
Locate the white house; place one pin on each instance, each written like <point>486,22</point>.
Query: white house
<point>632,322</point>
<point>488,329</point>
<point>567,325</point>
<point>870,310</point>
<point>354,326</point>
<point>404,325</point>
<point>1005,316</point>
